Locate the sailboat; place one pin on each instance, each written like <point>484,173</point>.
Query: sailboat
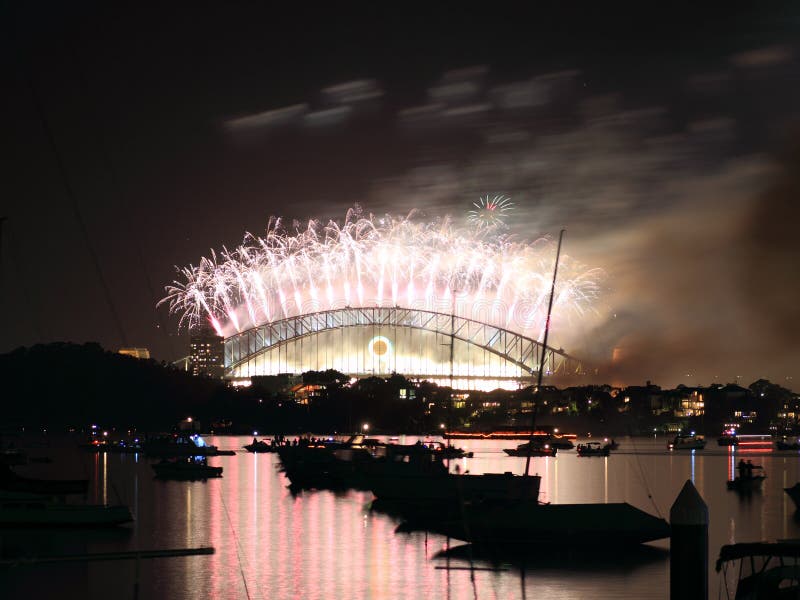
<point>518,518</point>
<point>428,485</point>
<point>764,570</point>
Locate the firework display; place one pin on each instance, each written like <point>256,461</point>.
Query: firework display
<point>490,212</point>
<point>387,260</point>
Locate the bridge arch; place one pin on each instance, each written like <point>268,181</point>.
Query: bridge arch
<point>388,338</point>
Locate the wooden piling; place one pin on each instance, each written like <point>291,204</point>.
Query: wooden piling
<point>688,565</point>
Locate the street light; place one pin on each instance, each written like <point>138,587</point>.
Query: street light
<point>365,427</point>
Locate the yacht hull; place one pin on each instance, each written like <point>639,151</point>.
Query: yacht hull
<point>526,523</point>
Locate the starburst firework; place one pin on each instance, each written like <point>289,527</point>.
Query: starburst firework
<point>490,212</point>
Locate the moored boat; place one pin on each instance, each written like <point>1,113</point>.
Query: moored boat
<point>746,484</point>
<point>10,481</point>
<point>118,447</point>
<point>444,451</point>
<point>181,445</point>
<point>788,444</point>
<point>30,510</point>
<point>312,463</point>
<point>529,449</point>
<point>260,446</point>
<point>766,570</point>
<point>594,449</point>
<point>561,442</point>
<point>331,464</point>
<point>438,450</point>
<point>435,488</point>
<point>338,464</point>
<point>687,442</point>
<point>794,493</point>
<point>542,434</point>
<point>13,456</point>
<point>191,468</point>
<point>512,514</point>
<point>528,522</point>
<point>728,438</point>
<point>334,468</point>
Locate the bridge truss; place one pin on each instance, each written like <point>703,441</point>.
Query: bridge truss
<point>518,350</point>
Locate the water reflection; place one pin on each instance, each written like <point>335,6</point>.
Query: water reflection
<point>105,478</point>
<point>584,559</point>
<point>326,545</point>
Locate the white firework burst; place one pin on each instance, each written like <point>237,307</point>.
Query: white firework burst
<point>381,261</point>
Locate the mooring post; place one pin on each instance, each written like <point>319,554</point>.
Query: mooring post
<point>688,563</point>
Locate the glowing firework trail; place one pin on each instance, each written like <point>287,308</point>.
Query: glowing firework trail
<point>366,261</point>
<point>490,212</point>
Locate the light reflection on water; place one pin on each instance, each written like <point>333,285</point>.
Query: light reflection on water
<point>270,544</point>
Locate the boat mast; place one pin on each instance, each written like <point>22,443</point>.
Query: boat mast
<point>452,343</point>
<point>452,338</point>
<point>543,351</point>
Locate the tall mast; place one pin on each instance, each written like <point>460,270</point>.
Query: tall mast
<point>542,354</point>
<point>452,349</point>
<point>452,337</point>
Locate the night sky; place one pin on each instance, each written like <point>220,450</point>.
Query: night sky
<point>667,144</point>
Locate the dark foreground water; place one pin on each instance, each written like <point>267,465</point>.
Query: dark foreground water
<point>270,544</point>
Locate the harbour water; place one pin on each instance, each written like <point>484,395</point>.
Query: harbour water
<point>271,544</point>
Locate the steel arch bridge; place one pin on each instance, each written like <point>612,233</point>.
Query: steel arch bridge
<point>518,350</point>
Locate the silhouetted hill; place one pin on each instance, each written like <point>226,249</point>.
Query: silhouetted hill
<point>72,384</point>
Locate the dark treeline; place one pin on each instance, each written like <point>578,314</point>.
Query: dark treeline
<point>70,385</point>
